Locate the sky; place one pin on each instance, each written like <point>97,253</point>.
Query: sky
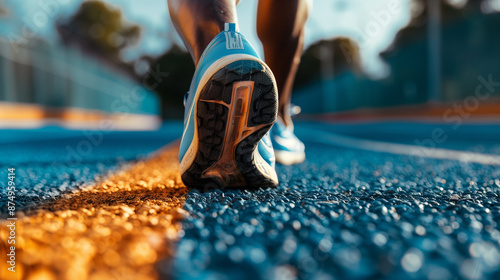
<point>374,23</point>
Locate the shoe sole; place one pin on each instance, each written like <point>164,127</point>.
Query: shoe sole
<point>289,158</point>
<point>234,110</point>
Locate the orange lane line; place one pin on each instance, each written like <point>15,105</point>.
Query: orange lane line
<point>116,229</point>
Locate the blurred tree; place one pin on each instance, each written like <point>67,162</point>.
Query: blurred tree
<point>178,68</point>
<point>450,10</point>
<point>454,45</point>
<point>468,55</point>
<point>328,58</point>
<point>100,29</point>
<point>468,48</point>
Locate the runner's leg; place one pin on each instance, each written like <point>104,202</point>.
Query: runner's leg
<point>280,26</point>
<point>199,21</point>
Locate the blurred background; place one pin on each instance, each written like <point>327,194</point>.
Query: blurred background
<point>75,63</point>
<point>391,186</point>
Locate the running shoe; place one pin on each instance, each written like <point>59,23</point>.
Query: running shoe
<point>288,149</point>
<point>229,109</point>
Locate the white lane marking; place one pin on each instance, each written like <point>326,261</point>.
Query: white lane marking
<point>329,138</point>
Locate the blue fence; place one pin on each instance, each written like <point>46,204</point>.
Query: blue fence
<point>57,76</point>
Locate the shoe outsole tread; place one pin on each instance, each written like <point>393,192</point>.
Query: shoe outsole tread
<point>212,119</point>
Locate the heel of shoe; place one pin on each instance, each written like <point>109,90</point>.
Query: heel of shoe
<point>235,109</point>
<point>226,169</point>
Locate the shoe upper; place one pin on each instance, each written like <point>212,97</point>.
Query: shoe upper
<point>266,150</point>
<point>284,139</point>
<point>227,43</point>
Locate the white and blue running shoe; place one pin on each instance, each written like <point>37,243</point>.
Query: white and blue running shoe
<point>288,149</point>
<point>229,109</point>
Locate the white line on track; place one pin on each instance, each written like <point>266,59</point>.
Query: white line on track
<point>328,138</point>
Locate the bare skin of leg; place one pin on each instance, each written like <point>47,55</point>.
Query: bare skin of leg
<point>280,26</point>
<point>199,21</point>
